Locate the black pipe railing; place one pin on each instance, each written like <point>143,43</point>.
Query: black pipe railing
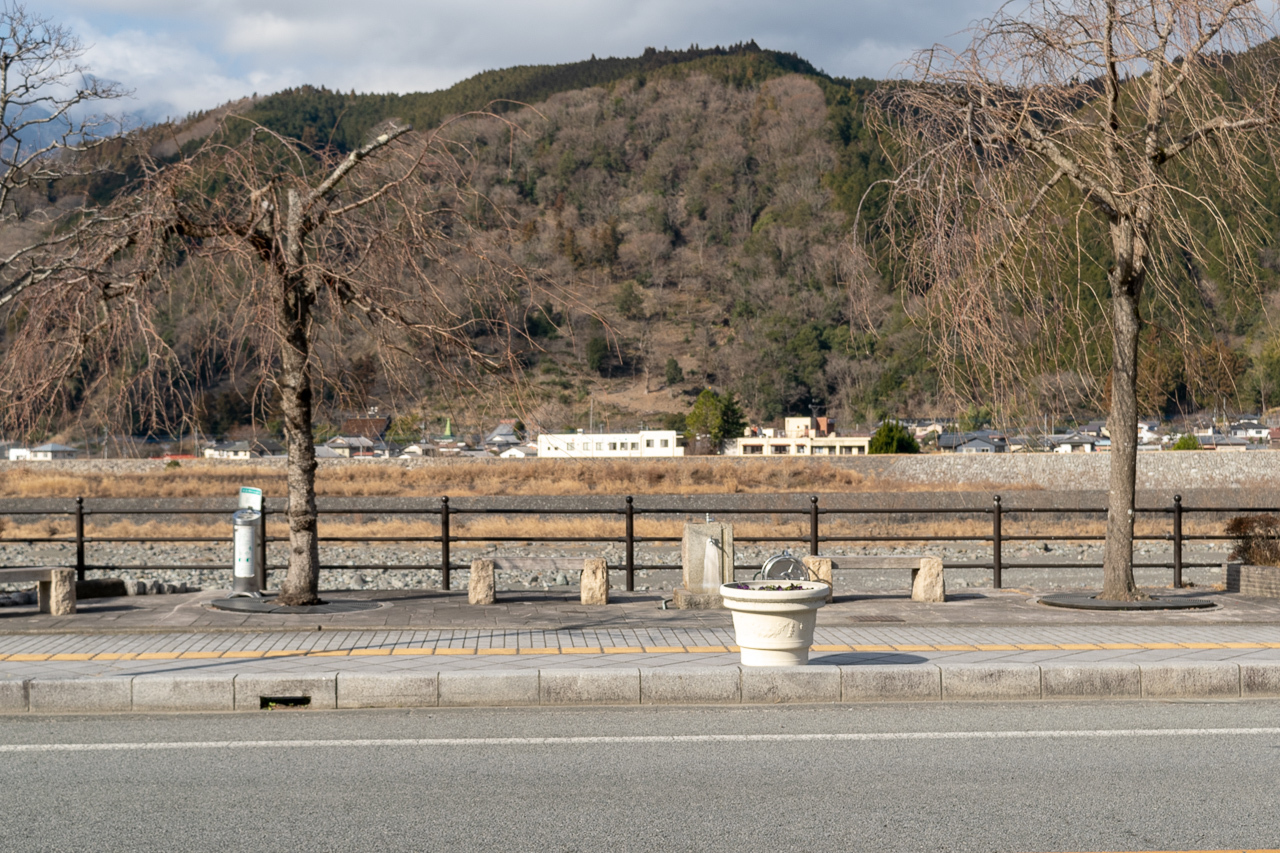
<point>445,512</point>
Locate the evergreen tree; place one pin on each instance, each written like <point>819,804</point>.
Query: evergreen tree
<point>674,374</point>
<point>893,437</point>
<point>718,418</point>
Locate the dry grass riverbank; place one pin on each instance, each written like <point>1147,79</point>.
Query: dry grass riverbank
<point>463,478</point>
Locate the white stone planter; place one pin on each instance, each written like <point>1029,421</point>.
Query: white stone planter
<point>774,627</point>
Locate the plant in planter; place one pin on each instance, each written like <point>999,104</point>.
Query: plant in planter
<point>773,620</point>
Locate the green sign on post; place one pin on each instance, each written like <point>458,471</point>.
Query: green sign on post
<point>250,498</point>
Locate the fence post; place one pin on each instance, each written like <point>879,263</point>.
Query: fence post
<point>79,539</point>
<point>444,543</point>
<point>996,513</point>
<point>631,544</point>
<point>1177,541</point>
<point>262,549</point>
<point>813,525</point>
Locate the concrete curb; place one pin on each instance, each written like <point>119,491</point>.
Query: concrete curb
<point>721,685</point>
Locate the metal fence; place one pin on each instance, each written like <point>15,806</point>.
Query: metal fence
<point>627,512</point>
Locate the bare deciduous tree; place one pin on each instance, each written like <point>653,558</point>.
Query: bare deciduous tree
<point>46,98</point>
<point>1065,183</point>
<point>277,251</point>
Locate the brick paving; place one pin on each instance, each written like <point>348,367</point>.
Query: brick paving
<point>432,631</point>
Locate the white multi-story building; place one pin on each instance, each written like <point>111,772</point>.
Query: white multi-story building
<point>580,445</point>
<point>800,436</point>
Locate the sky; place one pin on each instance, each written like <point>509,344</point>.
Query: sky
<point>180,56</point>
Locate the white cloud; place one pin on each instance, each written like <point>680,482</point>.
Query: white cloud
<point>192,55</point>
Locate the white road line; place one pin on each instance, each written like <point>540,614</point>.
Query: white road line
<point>632,739</point>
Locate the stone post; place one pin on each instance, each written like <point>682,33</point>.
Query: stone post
<point>927,582</point>
<point>57,596</point>
<point>480,585</point>
<point>595,581</point>
<point>821,568</point>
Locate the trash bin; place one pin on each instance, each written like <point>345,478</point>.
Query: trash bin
<point>245,538</point>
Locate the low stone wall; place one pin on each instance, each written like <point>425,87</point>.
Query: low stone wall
<point>1260,581</point>
<point>1157,471</point>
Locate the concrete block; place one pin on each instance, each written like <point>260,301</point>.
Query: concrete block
<point>927,582</point>
<point>700,685</point>
<point>822,569</point>
<point>480,584</point>
<point>321,688</point>
<point>595,581</point>
<point>13,696</point>
<point>100,588</point>
<point>590,686</point>
<point>990,681</point>
<point>686,600</point>
<point>769,685</point>
<point>1259,678</point>
<point>890,683</point>
<point>1190,679</point>
<point>512,687</point>
<point>79,695</point>
<point>387,690</point>
<point>1090,680</point>
<point>184,692</point>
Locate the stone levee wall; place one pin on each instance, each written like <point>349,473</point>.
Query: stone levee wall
<point>1157,471</point>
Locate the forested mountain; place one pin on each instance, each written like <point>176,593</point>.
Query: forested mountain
<point>699,204</point>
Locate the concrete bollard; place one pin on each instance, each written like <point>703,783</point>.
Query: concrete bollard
<point>480,585</point>
<point>595,581</point>
<point>927,583</point>
<point>822,568</point>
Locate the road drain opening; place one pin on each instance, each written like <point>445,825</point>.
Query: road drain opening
<point>284,703</point>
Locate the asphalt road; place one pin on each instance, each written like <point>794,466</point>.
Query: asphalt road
<point>1048,777</point>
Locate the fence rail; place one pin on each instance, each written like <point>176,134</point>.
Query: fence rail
<point>444,512</point>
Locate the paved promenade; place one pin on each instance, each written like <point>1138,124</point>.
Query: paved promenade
<point>421,636</point>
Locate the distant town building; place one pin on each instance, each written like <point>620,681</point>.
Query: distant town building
<point>800,436</point>
<point>580,445</point>
<point>255,449</point>
<point>43,453</point>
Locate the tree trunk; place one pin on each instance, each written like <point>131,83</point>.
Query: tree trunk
<point>1117,565</point>
<point>302,582</point>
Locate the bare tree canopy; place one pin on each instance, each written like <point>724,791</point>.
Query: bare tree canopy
<point>274,251</point>
<point>47,119</point>
<point>1064,188</point>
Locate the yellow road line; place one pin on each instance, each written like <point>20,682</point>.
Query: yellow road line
<point>995,647</point>
<point>413,651</point>
<point>545,651</point>
<point>158,656</point>
<point>580,650</point>
<point>623,650</point>
<point>71,657</point>
<point>455,651</point>
<point>335,653</point>
<point>370,652</point>
<point>247,653</point>
<point>200,655</point>
<point>957,648</point>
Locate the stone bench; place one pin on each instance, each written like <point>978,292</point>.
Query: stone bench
<point>926,572</point>
<point>55,587</point>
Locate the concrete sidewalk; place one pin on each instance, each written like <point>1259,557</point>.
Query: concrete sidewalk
<point>427,649</point>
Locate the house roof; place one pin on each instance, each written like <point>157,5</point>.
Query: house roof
<point>52,448</point>
<point>375,427</point>
<point>503,433</point>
